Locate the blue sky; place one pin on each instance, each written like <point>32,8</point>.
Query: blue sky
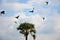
<point>48,29</point>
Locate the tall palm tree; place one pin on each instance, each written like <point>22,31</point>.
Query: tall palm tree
<point>27,28</point>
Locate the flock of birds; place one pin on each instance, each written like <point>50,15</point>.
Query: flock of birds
<point>31,11</point>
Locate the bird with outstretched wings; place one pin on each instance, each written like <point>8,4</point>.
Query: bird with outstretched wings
<point>17,17</point>
<point>32,10</point>
<point>2,12</point>
<point>43,18</point>
<point>47,2</point>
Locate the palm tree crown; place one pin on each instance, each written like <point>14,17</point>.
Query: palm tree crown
<point>26,28</point>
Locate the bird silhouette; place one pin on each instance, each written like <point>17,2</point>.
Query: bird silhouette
<point>2,12</point>
<point>15,22</point>
<point>47,2</point>
<point>43,18</point>
<point>32,10</point>
<point>17,17</point>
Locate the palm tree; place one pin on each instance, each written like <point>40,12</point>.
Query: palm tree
<point>27,28</point>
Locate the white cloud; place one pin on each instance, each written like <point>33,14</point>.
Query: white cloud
<point>57,22</point>
<point>47,37</point>
<point>15,6</point>
<point>55,2</point>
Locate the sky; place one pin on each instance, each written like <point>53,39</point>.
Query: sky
<point>48,29</point>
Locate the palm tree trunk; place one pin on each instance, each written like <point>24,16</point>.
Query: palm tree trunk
<point>26,37</point>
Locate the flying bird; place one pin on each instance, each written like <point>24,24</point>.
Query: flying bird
<point>32,10</point>
<point>43,18</point>
<point>47,2</point>
<point>15,22</point>
<point>17,17</point>
<point>2,12</point>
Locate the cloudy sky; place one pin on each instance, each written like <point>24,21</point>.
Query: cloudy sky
<point>48,29</point>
